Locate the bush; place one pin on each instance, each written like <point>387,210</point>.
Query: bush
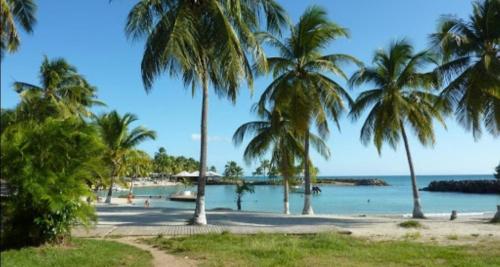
<point>47,166</point>
<point>410,224</point>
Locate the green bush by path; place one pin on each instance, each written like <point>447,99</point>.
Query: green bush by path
<point>325,249</point>
<point>48,166</point>
<point>79,252</point>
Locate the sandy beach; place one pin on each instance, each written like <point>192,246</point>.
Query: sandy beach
<point>135,220</point>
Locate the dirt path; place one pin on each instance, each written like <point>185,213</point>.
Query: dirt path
<point>160,258</point>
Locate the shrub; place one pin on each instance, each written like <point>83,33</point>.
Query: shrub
<point>48,166</point>
<point>410,224</point>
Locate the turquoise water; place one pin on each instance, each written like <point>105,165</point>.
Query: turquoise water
<point>393,199</point>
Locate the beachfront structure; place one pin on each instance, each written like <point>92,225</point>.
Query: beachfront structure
<point>193,176</point>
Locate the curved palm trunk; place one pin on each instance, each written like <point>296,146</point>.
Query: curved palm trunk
<point>307,178</point>
<point>110,190</point>
<point>285,195</point>
<point>417,208</point>
<point>200,217</point>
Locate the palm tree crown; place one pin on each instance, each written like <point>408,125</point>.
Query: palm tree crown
<point>60,85</point>
<point>471,68</point>
<point>116,135</point>
<point>400,96</point>
<point>203,40</point>
<point>12,12</point>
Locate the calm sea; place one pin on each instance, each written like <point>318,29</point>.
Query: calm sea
<point>393,199</point>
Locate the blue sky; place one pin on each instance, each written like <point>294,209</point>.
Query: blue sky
<point>89,34</point>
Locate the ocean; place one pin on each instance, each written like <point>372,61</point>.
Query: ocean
<point>393,199</point>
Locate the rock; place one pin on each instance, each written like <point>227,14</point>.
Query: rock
<point>453,215</point>
<point>465,186</point>
<point>362,182</point>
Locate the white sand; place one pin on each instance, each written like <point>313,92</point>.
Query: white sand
<point>137,220</point>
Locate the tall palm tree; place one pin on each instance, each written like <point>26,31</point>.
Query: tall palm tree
<point>205,41</point>
<point>301,82</point>
<point>60,85</point>
<point>276,134</point>
<point>119,140</point>
<point>14,12</point>
<point>471,69</point>
<point>399,99</point>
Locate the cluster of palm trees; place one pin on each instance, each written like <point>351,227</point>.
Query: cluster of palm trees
<point>209,43</point>
<point>218,44</point>
<point>165,164</point>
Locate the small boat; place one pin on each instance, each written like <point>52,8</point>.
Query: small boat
<point>186,195</point>
<point>297,189</point>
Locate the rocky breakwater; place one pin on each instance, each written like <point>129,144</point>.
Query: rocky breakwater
<point>465,186</point>
<point>358,182</point>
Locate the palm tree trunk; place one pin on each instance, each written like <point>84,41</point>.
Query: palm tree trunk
<point>307,178</point>
<point>238,203</point>
<point>110,191</point>
<point>285,196</point>
<point>200,217</point>
<point>417,208</point>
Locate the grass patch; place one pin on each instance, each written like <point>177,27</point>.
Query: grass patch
<point>410,224</point>
<point>412,236</point>
<point>326,249</point>
<point>80,252</point>
<point>452,237</point>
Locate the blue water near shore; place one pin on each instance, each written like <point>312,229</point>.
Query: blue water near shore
<point>393,199</point>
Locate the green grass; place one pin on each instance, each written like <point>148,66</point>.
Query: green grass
<point>80,252</point>
<point>410,224</point>
<point>325,249</point>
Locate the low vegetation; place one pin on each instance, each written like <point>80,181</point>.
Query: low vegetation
<point>326,249</point>
<point>410,224</point>
<point>78,252</point>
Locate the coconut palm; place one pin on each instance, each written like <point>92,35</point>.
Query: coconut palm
<point>137,163</point>
<point>62,90</point>
<point>471,69</point>
<point>206,42</point>
<point>301,82</point>
<point>241,188</point>
<point>276,134</point>
<point>12,12</point>
<point>398,100</point>
<point>120,140</point>
<point>233,171</point>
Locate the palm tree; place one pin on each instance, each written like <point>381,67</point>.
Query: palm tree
<point>471,52</point>
<point>205,41</point>
<point>137,163</point>
<point>275,133</point>
<point>62,87</point>
<point>119,140</point>
<point>241,188</point>
<point>398,101</point>
<point>233,171</point>
<point>301,82</point>
<point>14,12</point>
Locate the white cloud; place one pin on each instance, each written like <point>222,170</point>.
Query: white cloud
<point>197,137</point>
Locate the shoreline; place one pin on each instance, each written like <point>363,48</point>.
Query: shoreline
<point>128,220</point>
<point>138,204</point>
